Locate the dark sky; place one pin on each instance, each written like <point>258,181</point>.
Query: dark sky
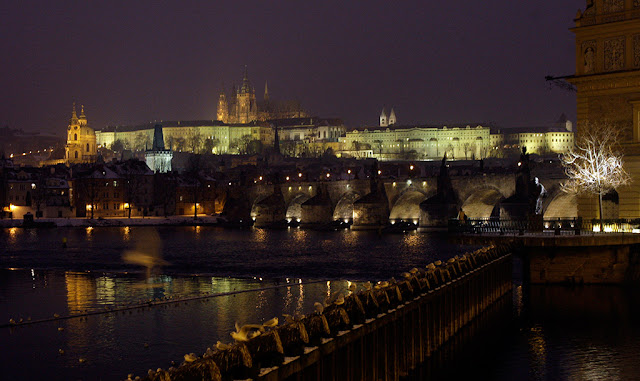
<point>434,61</point>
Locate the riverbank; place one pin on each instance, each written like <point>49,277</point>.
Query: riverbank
<point>114,221</point>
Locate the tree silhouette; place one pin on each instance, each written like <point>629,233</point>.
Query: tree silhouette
<point>594,165</point>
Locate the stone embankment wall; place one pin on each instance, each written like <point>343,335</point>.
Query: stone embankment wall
<point>377,333</point>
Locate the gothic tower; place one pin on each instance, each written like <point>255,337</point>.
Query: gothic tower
<point>81,139</point>
<point>158,158</point>
<point>246,108</point>
<point>383,118</point>
<point>223,109</point>
<point>392,117</point>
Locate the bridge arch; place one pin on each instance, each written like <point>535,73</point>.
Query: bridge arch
<point>481,202</point>
<point>407,206</point>
<point>294,208</point>
<point>561,205</point>
<point>257,200</point>
<point>344,206</point>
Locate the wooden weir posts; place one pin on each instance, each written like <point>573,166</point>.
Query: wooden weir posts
<point>377,334</point>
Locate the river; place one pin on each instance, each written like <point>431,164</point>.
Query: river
<point>551,333</point>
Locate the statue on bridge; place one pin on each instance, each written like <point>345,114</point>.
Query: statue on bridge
<point>438,209</point>
<point>526,203</point>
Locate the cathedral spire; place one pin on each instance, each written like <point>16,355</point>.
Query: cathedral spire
<point>82,115</point>
<point>384,122</point>
<point>266,92</point>
<point>392,117</point>
<point>73,112</point>
<point>246,85</point>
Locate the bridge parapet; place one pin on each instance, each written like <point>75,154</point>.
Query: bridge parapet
<point>380,332</point>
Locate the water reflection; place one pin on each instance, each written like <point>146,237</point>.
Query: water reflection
<point>537,347</point>
<point>412,239</point>
<point>105,291</point>
<point>81,292</point>
<point>13,235</point>
<point>126,233</point>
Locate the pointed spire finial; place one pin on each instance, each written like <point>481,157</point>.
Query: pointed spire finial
<point>73,112</point>
<point>82,111</point>
<point>266,91</point>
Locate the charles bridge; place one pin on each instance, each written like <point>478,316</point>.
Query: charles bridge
<point>427,198</point>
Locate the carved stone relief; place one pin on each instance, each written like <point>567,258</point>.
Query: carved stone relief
<point>614,54</point>
<point>612,6</point>
<point>636,50</point>
<point>589,56</point>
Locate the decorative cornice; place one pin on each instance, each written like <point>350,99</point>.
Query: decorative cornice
<point>605,82</point>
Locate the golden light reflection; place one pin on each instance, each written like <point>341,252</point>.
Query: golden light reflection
<point>81,291</point>
<point>301,236</point>
<point>13,235</point>
<point>105,290</point>
<point>328,289</point>
<point>538,350</point>
<point>299,310</point>
<point>288,298</point>
<point>518,300</point>
<point>262,300</point>
<point>126,233</point>
<point>260,235</point>
<point>411,240</point>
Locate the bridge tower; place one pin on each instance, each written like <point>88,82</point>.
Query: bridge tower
<point>607,79</point>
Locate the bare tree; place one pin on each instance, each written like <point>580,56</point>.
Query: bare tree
<point>210,144</point>
<point>117,145</point>
<point>195,143</point>
<point>241,145</point>
<point>288,147</point>
<point>181,144</point>
<point>141,141</point>
<point>594,165</point>
<point>377,144</point>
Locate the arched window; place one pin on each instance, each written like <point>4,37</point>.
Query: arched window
<point>75,136</point>
<point>76,154</point>
<point>87,147</point>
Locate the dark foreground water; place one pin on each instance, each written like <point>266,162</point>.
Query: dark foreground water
<point>548,333</point>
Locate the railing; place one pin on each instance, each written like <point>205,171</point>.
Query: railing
<point>556,226</point>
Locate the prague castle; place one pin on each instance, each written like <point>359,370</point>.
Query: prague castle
<point>81,139</point>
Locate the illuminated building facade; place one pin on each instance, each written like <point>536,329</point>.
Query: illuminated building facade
<point>607,79</point>
<point>542,140</point>
<point>81,139</point>
<point>418,143</point>
<point>198,136</point>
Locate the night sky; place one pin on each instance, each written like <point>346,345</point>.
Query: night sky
<point>434,61</point>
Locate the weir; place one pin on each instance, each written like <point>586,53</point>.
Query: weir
<point>381,333</point>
